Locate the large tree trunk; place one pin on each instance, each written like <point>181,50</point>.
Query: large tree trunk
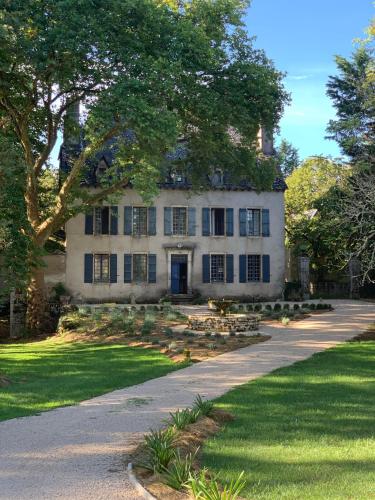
<point>37,317</point>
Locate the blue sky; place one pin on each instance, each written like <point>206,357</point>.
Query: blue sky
<point>302,37</point>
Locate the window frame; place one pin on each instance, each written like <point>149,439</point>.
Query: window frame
<point>186,207</point>
<point>135,254</point>
<point>95,211</point>
<point>146,222</point>
<point>224,223</point>
<point>260,280</point>
<point>224,266</point>
<point>101,280</point>
<point>259,209</point>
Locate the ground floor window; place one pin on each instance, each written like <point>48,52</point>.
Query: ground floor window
<point>140,267</point>
<point>217,268</point>
<point>253,268</point>
<point>101,268</point>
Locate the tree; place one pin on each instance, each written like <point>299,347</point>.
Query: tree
<point>353,96</point>
<point>146,74</point>
<point>313,222</point>
<point>287,157</point>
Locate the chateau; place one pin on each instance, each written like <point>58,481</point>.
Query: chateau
<point>226,241</point>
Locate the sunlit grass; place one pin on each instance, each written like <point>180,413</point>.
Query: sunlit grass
<point>47,374</point>
<point>303,432</point>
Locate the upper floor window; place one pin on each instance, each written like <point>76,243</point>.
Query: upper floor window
<point>217,178</point>
<point>101,268</point>
<point>179,221</point>
<point>253,222</point>
<point>218,221</point>
<point>101,220</point>
<point>139,221</point>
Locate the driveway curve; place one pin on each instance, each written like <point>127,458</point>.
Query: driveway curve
<point>79,452</point>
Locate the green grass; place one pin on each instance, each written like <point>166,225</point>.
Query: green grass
<point>47,374</point>
<point>303,432</point>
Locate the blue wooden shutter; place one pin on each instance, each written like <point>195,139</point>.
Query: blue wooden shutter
<point>243,221</point>
<point>113,268</point>
<point>89,223</point>
<point>265,222</point>
<point>88,268</point>
<point>114,220</point>
<point>229,268</point>
<point>152,268</point>
<point>167,221</point>
<point>191,221</point>
<point>243,268</point>
<point>151,229</point>
<point>127,268</point>
<point>128,220</point>
<point>205,222</point>
<point>229,221</point>
<point>266,271</point>
<point>206,268</point>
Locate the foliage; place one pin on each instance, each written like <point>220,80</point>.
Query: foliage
<point>203,488</point>
<point>203,407</point>
<point>353,95</point>
<point>285,320</point>
<point>159,448</point>
<point>177,474</point>
<point>287,157</point>
<point>335,386</point>
<point>147,326</point>
<point>313,223</point>
<point>181,418</point>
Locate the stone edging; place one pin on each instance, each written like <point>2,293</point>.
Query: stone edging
<point>137,485</point>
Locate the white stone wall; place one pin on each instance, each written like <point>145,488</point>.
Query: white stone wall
<point>77,244</point>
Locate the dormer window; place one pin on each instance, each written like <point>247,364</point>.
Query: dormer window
<point>217,178</point>
<point>101,169</point>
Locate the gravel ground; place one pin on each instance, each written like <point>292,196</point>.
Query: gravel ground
<point>80,452</point>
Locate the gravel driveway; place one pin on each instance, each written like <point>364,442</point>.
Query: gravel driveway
<point>78,452</point>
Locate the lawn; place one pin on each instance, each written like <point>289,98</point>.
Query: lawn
<point>303,432</point>
<point>47,374</point>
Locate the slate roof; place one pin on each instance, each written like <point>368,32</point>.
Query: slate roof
<point>108,154</point>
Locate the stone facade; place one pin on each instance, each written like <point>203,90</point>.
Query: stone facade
<point>189,254</point>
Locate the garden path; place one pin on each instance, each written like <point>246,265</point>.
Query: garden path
<point>79,452</point>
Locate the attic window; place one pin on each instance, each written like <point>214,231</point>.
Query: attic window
<point>101,169</point>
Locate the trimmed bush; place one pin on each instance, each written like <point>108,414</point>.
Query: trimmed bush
<point>258,307</point>
<point>250,308</point>
<point>277,307</point>
<point>286,307</point>
<point>296,307</point>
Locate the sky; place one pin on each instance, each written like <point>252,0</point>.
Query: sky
<point>302,37</point>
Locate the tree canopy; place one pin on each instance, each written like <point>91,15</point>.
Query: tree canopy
<point>287,157</point>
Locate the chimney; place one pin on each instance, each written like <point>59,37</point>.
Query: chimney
<point>72,133</point>
<point>265,141</point>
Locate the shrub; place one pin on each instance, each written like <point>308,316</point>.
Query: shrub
<point>209,489</point>
<point>155,342</point>
<point>187,354</point>
<point>168,332</point>
<point>171,316</point>
<point>178,473</point>
<point>204,407</point>
<point>277,307</point>
<point>97,315</point>
<point>172,345</point>
<point>305,305</point>
<point>240,307</point>
<point>232,334</point>
<point>188,333</point>
<point>276,315</point>
<point>182,418</point>
<point>258,307</point>
<point>147,327</point>
<point>207,334</point>
<point>285,320</point>
<point>128,325</point>
<point>218,335</point>
<point>250,308</point>
<point>268,307</point>
<point>286,307</point>
<point>312,307</point>
<point>296,307</point>
<point>212,346</point>
<point>159,449</point>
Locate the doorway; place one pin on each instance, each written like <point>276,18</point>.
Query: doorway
<point>179,274</point>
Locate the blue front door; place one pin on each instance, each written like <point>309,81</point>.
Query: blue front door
<point>179,274</point>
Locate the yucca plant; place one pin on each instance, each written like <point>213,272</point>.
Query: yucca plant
<point>159,448</point>
<point>203,488</point>
<point>204,407</point>
<point>182,418</point>
<point>179,471</point>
